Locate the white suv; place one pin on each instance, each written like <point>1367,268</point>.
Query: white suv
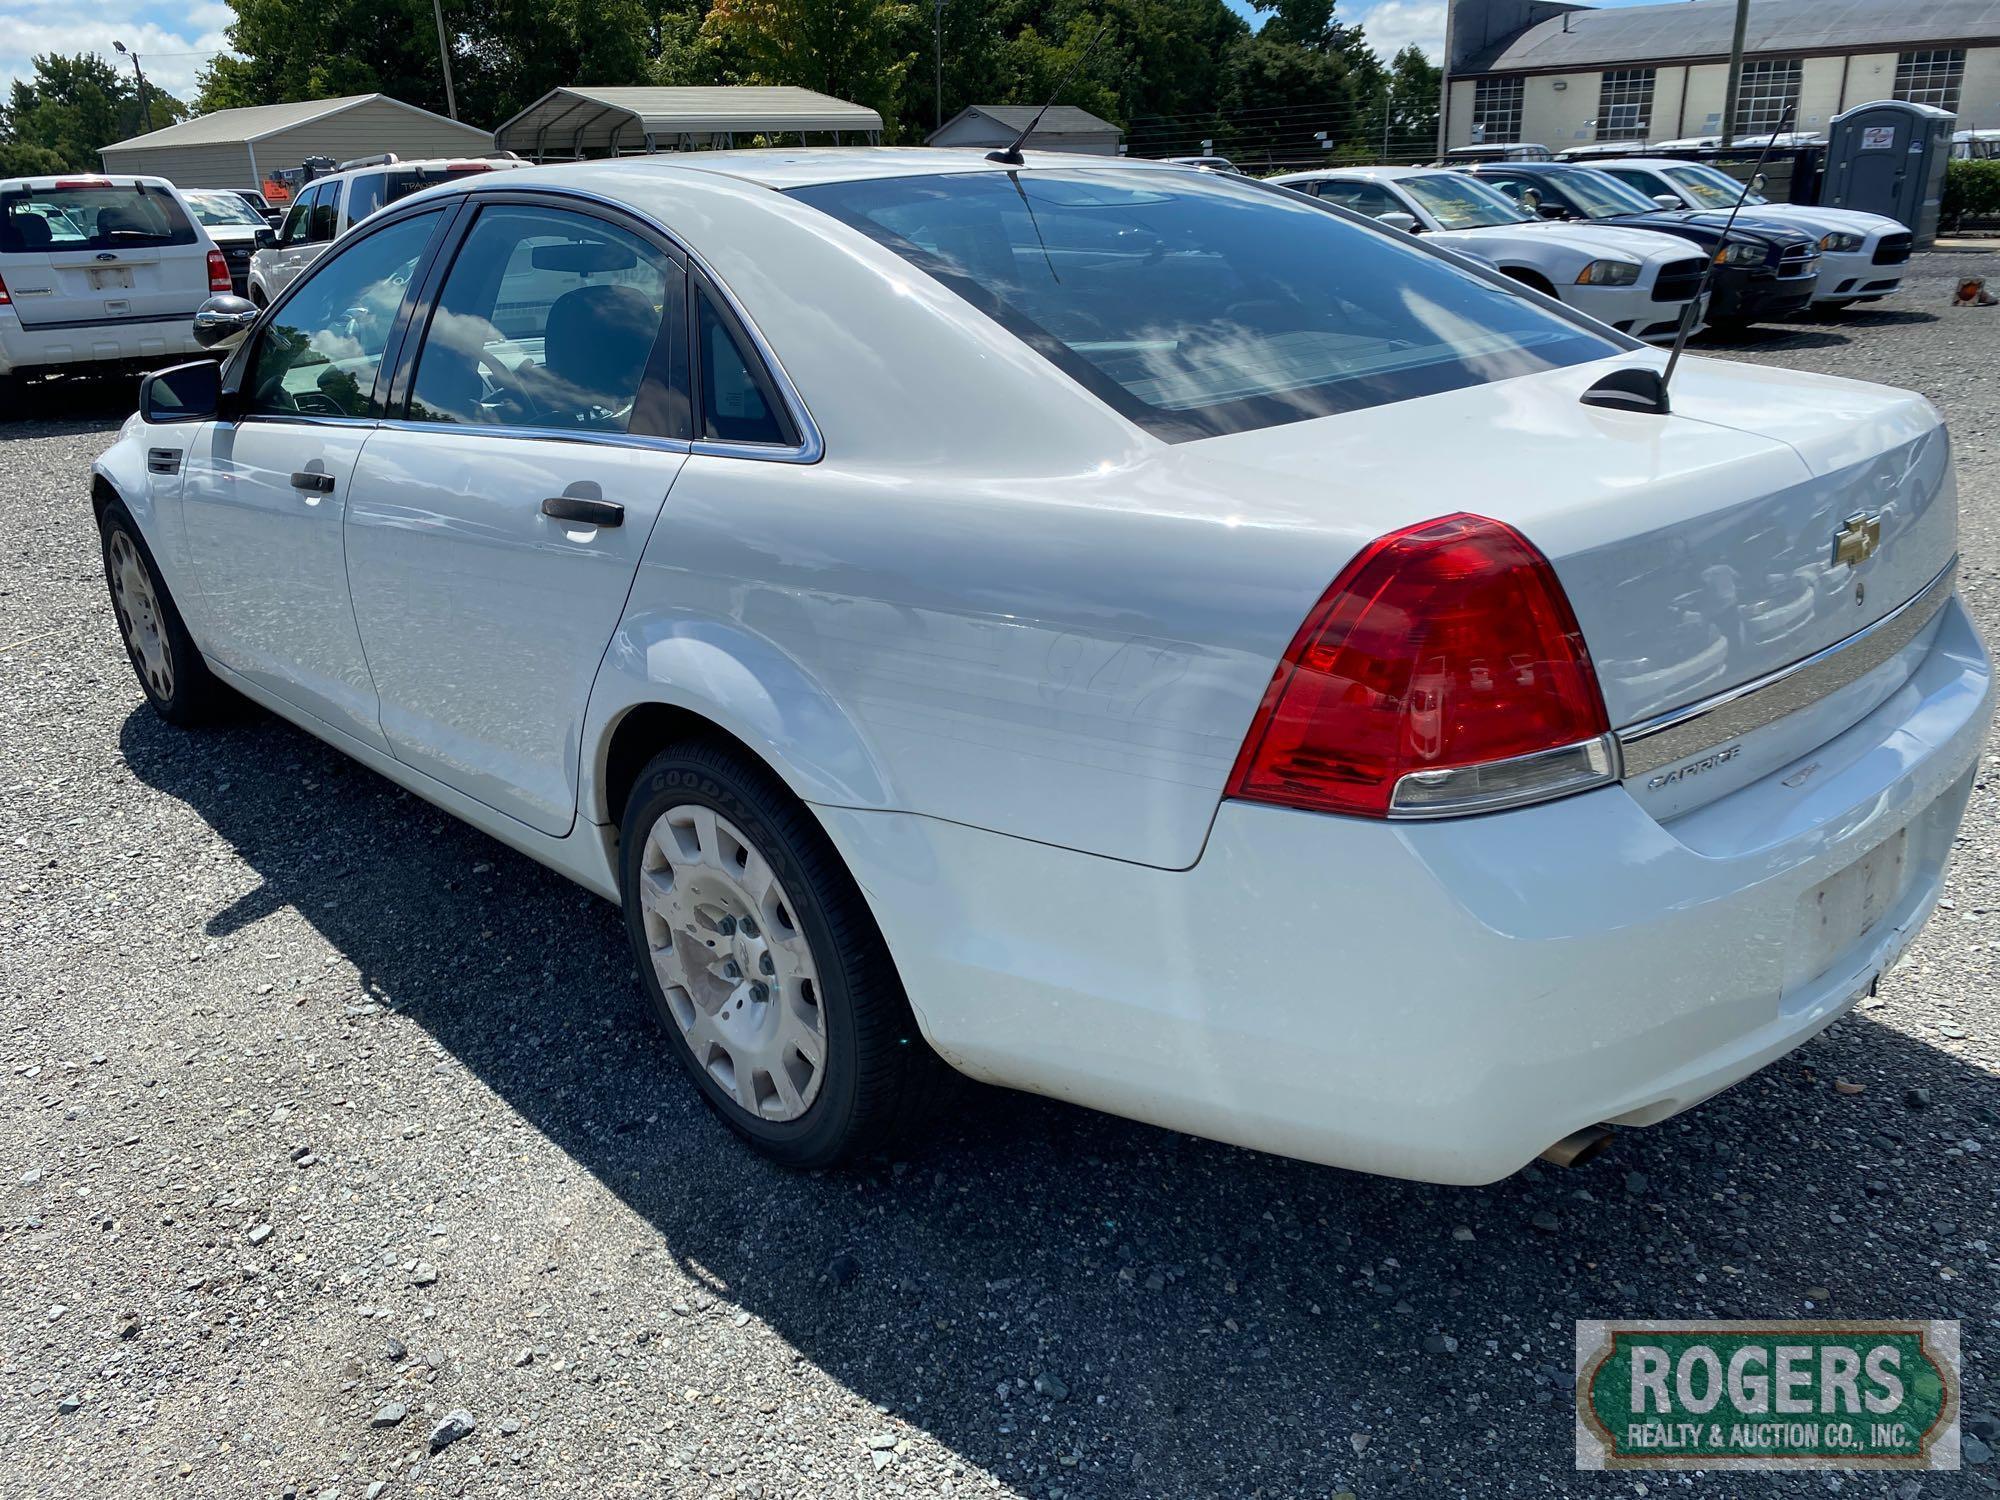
<point>99,271</point>
<point>329,206</point>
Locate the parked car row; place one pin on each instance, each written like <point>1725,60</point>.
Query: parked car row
<point>1166,643</point>
<point>1633,236</point>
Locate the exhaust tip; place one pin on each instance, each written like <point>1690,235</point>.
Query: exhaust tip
<point>1579,1146</point>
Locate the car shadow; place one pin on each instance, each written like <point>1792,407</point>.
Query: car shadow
<point>69,404</point>
<point>1770,337</point>
<point>1224,1321</point>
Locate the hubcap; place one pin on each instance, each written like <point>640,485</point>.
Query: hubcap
<point>139,615</point>
<point>735,967</point>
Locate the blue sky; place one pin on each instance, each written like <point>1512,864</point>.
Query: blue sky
<point>175,41</point>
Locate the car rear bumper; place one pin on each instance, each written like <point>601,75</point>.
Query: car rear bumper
<point>135,342</point>
<point>1438,1000</point>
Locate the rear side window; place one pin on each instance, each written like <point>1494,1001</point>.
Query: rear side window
<point>365,195</point>
<point>415,179</point>
<point>738,402</point>
<point>91,216</point>
<point>1200,304</point>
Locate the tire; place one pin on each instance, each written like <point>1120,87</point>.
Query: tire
<point>704,828</point>
<point>169,666</point>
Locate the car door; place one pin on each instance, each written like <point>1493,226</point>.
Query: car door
<point>494,530</point>
<point>308,229</point>
<point>264,492</point>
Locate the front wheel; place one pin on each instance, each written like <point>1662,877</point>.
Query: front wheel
<point>172,674</point>
<point>768,972</point>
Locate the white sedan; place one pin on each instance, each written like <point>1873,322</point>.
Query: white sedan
<point>1637,280</point>
<point>1862,256</point>
<point>1120,631</point>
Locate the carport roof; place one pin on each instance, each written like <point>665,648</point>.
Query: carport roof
<point>570,120</point>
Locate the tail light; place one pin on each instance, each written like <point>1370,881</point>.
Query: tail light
<point>4,298</point>
<point>218,272</point>
<point>1443,672</point>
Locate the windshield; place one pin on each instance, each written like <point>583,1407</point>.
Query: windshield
<point>91,216</point>
<point>1460,202</point>
<point>1711,188</point>
<point>223,208</point>
<point>1210,305</point>
<point>1602,196</point>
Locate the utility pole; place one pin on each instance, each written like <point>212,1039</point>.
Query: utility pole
<point>940,66</point>
<point>1735,83</point>
<point>1385,127</point>
<point>444,56</point>
<point>145,95</point>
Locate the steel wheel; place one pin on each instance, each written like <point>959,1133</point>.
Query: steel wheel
<point>737,972</point>
<point>139,615</point>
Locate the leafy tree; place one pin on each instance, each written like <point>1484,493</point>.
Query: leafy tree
<point>1414,86</point>
<point>18,160</point>
<point>860,50</point>
<point>73,105</point>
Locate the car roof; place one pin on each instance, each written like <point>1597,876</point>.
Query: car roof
<point>782,169</point>
<point>48,180</point>
<point>1366,174</point>
<point>1655,162</point>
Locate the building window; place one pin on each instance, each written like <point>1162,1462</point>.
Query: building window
<point>1931,77</point>
<point>1625,105</point>
<point>1769,95</point>
<point>1496,111</point>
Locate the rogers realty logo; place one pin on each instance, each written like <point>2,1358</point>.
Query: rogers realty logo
<point>1783,1395</point>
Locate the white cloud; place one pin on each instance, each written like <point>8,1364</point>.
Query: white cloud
<point>1392,25</point>
<point>172,53</point>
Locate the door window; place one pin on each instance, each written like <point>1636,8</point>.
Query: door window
<point>325,215</point>
<point>548,319</point>
<point>320,353</point>
<point>299,219</point>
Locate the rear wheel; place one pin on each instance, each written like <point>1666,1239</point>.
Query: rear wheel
<point>770,976</point>
<point>174,678</point>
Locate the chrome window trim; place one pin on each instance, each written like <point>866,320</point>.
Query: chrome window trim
<point>811,447</point>
<point>540,434</point>
<point>1658,742</point>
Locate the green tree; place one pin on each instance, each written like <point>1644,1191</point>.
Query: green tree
<point>71,106</point>
<point>18,160</point>
<point>1415,83</point>
<point>860,50</point>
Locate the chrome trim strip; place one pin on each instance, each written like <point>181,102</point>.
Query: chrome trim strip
<point>539,434</point>
<point>1684,732</point>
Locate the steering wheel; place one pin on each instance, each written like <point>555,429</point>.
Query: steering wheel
<point>508,386</point>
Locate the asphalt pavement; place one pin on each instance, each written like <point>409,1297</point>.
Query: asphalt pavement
<point>324,1118</point>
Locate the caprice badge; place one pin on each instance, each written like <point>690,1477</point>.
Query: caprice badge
<point>1695,767</point>
<point>1859,535</point>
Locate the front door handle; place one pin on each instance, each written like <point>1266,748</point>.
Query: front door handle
<point>319,484</point>
<point>589,512</point>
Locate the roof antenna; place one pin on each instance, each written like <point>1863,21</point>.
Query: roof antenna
<point>1637,388</point>
<point>1010,156</point>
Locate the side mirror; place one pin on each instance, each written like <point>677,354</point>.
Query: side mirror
<point>1667,200</point>
<point>221,321</point>
<point>1757,183</point>
<point>184,393</point>
<point>1531,200</point>
<point>1397,219</point>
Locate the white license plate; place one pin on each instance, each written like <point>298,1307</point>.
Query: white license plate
<point>110,278</point>
<point>1842,910</point>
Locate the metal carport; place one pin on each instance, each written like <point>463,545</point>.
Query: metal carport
<point>574,122</point>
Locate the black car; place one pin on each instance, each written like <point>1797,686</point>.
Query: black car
<point>237,229</point>
<point>1763,268</point>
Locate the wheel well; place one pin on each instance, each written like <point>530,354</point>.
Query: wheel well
<point>102,495</point>
<point>646,730</point>
<point>1526,277</point>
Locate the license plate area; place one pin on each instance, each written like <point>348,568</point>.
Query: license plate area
<point>1840,911</point>
<point>110,278</point>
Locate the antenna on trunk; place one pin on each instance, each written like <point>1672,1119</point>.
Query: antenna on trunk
<point>1010,156</point>
<point>1640,389</point>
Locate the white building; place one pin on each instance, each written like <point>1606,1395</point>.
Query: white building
<point>1561,74</point>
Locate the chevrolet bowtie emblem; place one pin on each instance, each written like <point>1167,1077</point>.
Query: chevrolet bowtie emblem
<point>1859,535</point>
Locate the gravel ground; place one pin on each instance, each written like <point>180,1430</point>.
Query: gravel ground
<point>323,1117</point>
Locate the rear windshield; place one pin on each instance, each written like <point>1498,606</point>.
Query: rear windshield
<point>1198,304</point>
<point>91,217</point>
<point>223,208</point>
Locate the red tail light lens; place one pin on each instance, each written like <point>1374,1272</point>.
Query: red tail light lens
<point>4,298</point>
<point>218,272</point>
<point>1441,650</point>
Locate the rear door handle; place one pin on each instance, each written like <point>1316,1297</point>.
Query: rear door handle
<point>589,512</point>
<point>321,484</point>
